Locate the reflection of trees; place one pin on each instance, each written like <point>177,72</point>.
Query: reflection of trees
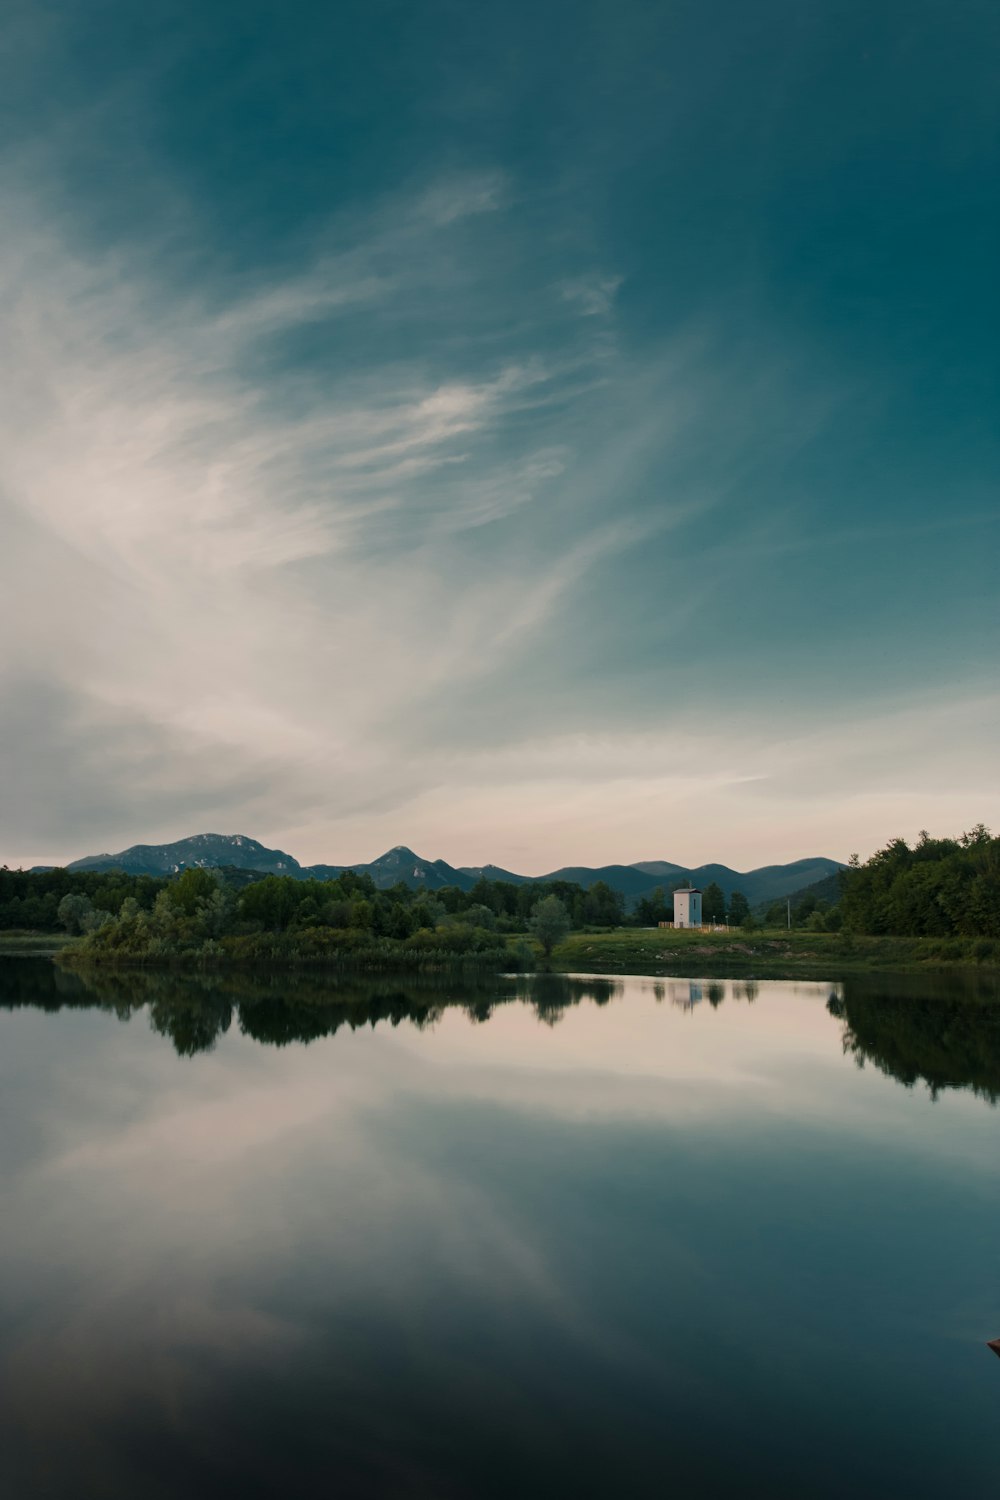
<point>38,983</point>
<point>192,1021</point>
<point>282,1020</point>
<point>194,1009</point>
<point>942,1033</point>
<point>942,1030</point>
<point>552,994</point>
<point>565,989</point>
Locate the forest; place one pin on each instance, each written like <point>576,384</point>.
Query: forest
<point>203,915</point>
<point>935,888</point>
<point>31,901</point>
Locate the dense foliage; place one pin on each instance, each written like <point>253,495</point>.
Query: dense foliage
<point>207,916</point>
<point>130,910</point>
<point>937,888</point>
<point>199,916</point>
<point>31,902</point>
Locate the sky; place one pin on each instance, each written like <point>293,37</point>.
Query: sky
<point>533,433</point>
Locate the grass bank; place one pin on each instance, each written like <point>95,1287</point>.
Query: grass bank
<point>769,954</point>
<point>315,948</point>
<point>776,954</point>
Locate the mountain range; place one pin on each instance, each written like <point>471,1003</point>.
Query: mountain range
<point>236,851</point>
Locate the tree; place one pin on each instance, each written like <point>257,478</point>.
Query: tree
<point>713,903</point>
<point>479,916</point>
<point>272,901</point>
<point>650,911</point>
<point>549,923</point>
<point>939,888</point>
<point>739,909</point>
<point>73,911</point>
<point>803,910</point>
<point>602,906</point>
<point>191,888</point>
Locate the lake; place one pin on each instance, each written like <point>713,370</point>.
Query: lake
<point>533,1236</point>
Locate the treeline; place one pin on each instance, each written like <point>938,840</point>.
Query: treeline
<point>37,902</point>
<point>202,915</point>
<point>199,915</point>
<point>937,888</point>
<point>31,902</point>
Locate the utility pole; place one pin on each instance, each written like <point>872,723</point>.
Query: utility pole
<point>788,903</point>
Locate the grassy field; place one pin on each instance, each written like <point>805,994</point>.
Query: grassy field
<point>772,954</point>
<point>32,944</point>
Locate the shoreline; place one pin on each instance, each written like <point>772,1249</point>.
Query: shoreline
<point>623,951</point>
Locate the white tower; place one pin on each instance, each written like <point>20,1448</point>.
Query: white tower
<point>687,908</point>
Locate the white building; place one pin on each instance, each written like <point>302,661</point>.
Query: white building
<point>687,908</point>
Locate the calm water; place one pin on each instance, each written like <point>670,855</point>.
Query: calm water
<point>550,1237</point>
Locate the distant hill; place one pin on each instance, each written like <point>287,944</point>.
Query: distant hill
<point>401,865</point>
<point>202,850</point>
<point>218,851</point>
<point>826,891</point>
<point>633,883</point>
<point>493,872</point>
<point>768,883</point>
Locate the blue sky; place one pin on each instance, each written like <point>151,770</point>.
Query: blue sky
<point>533,433</point>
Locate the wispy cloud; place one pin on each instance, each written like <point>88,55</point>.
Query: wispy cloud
<point>275,592</point>
<point>249,557</point>
<point>594,295</point>
<point>411,529</point>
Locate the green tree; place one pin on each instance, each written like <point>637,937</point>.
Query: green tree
<point>602,906</point>
<point>73,911</point>
<point>739,909</point>
<point>650,911</point>
<point>272,901</point>
<point>939,888</point>
<point>713,903</point>
<point>480,916</point>
<point>803,910</point>
<point>549,923</point>
<point>190,889</point>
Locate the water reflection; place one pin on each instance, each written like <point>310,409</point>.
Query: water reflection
<point>553,1234</point>
<point>194,1010</point>
<point>943,1034</point>
<point>940,1030</point>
